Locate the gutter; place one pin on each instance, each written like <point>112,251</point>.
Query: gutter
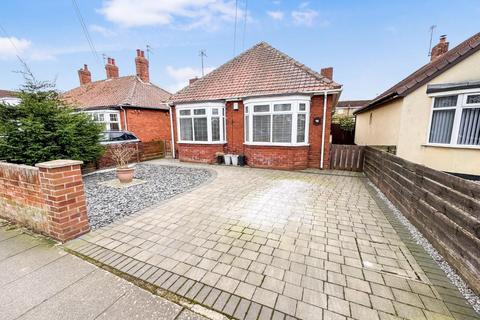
<point>171,131</point>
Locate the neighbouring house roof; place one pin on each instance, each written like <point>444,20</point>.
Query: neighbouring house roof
<point>7,94</point>
<point>127,91</point>
<point>427,72</point>
<point>352,103</point>
<point>261,70</point>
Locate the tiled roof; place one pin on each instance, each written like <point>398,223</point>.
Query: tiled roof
<point>352,103</point>
<point>427,72</point>
<point>122,91</point>
<point>261,70</point>
<point>7,94</point>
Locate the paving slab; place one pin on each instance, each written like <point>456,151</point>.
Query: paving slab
<point>40,281</point>
<point>288,245</point>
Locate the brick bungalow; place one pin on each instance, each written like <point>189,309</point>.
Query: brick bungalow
<point>130,103</point>
<point>263,104</point>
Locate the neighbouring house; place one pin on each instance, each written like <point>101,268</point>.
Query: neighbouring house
<point>433,115</point>
<point>348,107</point>
<point>129,103</point>
<point>262,104</point>
<point>9,97</point>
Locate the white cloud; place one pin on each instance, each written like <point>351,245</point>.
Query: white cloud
<point>304,16</point>
<point>11,47</point>
<point>181,76</point>
<point>178,13</point>
<point>276,15</point>
<point>102,30</point>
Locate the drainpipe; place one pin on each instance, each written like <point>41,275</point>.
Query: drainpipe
<point>171,131</point>
<point>124,118</point>
<point>325,95</point>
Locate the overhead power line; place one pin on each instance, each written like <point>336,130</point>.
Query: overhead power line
<point>17,52</point>
<point>85,32</point>
<point>244,24</point>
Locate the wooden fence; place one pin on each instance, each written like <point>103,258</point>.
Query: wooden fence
<point>445,208</point>
<point>346,157</point>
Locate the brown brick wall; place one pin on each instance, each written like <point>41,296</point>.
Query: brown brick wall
<point>148,125</point>
<point>315,132</point>
<point>235,127</point>
<point>49,199</point>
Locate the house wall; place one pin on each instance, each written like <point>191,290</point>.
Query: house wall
<point>148,125</point>
<point>415,117</point>
<point>384,128</point>
<point>274,157</point>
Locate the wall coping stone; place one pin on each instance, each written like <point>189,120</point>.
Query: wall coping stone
<point>58,164</point>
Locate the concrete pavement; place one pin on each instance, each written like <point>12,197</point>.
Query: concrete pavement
<point>40,281</point>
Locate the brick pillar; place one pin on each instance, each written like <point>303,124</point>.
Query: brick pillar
<point>62,187</point>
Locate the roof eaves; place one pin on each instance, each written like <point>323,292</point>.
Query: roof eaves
<point>378,103</point>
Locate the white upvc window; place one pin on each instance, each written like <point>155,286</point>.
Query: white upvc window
<point>110,119</point>
<point>277,121</point>
<point>455,120</point>
<point>201,123</point>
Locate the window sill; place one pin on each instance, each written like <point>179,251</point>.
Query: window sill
<point>450,146</point>
<point>261,144</point>
<point>201,142</point>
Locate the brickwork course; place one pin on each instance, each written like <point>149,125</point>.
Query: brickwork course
<point>269,244</point>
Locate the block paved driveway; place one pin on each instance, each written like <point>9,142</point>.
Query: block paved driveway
<point>265,244</point>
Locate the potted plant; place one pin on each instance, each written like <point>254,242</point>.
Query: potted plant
<point>219,156</point>
<point>121,154</point>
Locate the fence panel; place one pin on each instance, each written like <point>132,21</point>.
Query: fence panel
<point>346,157</point>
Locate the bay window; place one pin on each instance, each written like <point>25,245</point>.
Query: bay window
<point>110,119</point>
<point>455,120</point>
<point>277,121</point>
<point>201,123</point>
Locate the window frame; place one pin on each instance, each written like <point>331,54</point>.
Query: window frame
<point>294,101</point>
<point>462,96</point>
<point>106,118</point>
<point>209,107</point>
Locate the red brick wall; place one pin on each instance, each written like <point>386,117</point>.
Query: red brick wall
<point>49,199</point>
<point>268,156</point>
<point>199,152</point>
<point>147,125</point>
<point>287,158</point>
<point>235,127</point>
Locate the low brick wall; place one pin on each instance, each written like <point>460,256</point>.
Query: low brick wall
<point>287,158</point>
<point>204,153</point>
<point>48,198</point>
<point>445,208</point>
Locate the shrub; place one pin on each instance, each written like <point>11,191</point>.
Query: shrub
<point>43,128</point>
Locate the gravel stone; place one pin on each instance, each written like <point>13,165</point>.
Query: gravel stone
<point>107,204</point>
<point>417,236</point>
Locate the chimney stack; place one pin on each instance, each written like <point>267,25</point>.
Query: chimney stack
<point>192,80</point>
<point>327,72</point>
<point>141,64</point>
<point>440,49</point>
<point>84,75</point>
<point>111,68</point>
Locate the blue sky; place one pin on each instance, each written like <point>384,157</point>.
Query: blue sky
<point>370,44</point>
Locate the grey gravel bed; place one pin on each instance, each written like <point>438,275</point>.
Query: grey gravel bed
<point>417,236</point>
<point>107,204</point>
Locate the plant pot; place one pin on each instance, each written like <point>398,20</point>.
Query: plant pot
<point>241,160</point>
<point>234,159</point>
<point>220,159</point>
<point>228,159</point>
<point>125,175</point>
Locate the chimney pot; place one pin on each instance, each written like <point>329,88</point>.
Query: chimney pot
<point>440,48</point>
<point>327,72</point>
<point>111,69</point>
<point>141,64</point>
<point>84,75</point>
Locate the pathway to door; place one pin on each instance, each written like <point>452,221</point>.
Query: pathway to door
<point>265,244</point>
